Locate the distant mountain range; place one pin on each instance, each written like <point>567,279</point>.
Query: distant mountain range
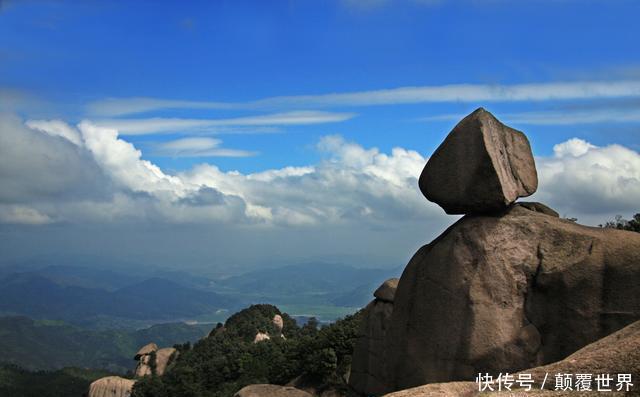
<point>103,299</point>
<point>46,345</point>
<point>39,296</point>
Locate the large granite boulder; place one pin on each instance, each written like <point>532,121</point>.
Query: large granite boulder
<point>482,166</point>
<point>111,386</point>
<point>505,292</point>
<point>266,390</point>
<point>368,372</point>
<point>618,353</point>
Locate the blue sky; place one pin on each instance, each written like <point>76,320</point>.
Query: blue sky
<point>259,86</point>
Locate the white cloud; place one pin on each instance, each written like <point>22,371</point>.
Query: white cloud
<point>22,215</point>
<point>49,179</point>
<point>589,182</point>
<point>172,125</point>
<point>198,147</point>
<point>112,107</point>
<point>56,128</point>
<point>534,92</point>
<point>573,147</point>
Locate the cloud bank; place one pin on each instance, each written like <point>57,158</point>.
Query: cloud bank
<point>53,172</point>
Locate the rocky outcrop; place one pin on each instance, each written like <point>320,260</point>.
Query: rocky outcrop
<point>618,353</point>
<point>265,390</point>
<point>261,336</point>
<point>509,286</point>
<point>368,371</point>
<point>278,323</point>
<point>481,166</point>
<point>146,350</point>
<point>152,360</point>
<point>111,386</point>
<point>164,357</point>
<point>387,290</point>
<point>509,291</point>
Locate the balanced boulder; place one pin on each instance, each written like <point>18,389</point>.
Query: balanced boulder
<point>482,166</point>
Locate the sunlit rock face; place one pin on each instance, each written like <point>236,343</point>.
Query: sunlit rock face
<point>111,386</point>
<point>482,166</point>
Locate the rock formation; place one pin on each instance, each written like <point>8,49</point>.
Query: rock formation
<point>261,336</point>
<point>481,166</point>
<point>111,386</point>
<point>153,360</point>
<point>618,353</point>
<point>509,286</point>
<point>368,372</point>
<point>265,390</point>
<point>164,357</point>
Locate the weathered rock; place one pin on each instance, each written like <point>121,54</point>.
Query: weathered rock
<point>618,353</point>
<point>111,386</point>
<point>146,349</point>
<point>278,323</point>
<point>387,290</point>
<point>538,207</point>
<point>505,292</point>
<point>266,390</point>
<point>164,357</point>
<point>482,166</point>
<point>368,372</point>
<point>144,366</point>
<point>261,336</point>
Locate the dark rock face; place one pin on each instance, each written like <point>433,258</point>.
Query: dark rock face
<point>618,353</point>
<point>506,292</point>
<point>482,166</point>
<point>368,372</point>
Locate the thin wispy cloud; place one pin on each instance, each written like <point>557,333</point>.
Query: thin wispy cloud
<point>538,92</point>
<point>113,107</point>
<point>556,117</point>
<point>198,147</point>
<point>172,125</point>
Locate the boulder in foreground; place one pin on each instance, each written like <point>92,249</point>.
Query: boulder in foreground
<point>618,353</point>
<point>266,390</point>
<point>482,166</point>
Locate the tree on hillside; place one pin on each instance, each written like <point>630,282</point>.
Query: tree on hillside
<point>623,224</point>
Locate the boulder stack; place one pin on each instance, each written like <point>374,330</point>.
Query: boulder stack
<point>482,166</point>
<point>266,390</point>
<point>507,287</point>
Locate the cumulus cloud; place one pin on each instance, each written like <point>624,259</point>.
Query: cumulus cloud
<point>54,172</point>
<point>590,182</point>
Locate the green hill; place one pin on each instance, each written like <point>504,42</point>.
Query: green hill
<point>46,345</point>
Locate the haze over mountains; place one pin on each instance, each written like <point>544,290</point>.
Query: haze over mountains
<point>52,316</point>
